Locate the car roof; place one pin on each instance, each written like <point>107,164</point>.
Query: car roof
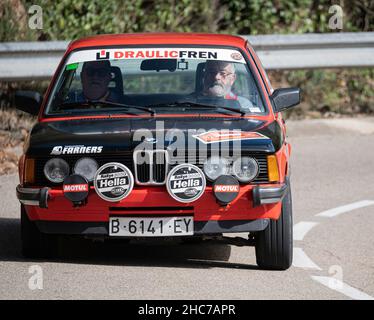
<point>158,39</point>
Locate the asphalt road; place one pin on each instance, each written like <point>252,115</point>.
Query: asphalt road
<point>332,166</point>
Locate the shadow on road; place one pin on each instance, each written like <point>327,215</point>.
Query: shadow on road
<point>148,253</point>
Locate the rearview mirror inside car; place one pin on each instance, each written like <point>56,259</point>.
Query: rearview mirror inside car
<point>159,64</point>
<point>285,98</point>
<point>28,101</point>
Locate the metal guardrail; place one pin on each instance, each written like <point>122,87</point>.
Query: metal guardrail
<point>332,50</point>
<point>38,60</point>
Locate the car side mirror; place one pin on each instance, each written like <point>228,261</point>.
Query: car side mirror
<point>285,98</point>
<point>28,101</point>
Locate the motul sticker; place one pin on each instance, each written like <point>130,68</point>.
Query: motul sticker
<point>156,53</point>
<point>186,183</point>
<point>226,135</point>
<point>113,181</point>
<point>75,187</point>
<point>226,188</point>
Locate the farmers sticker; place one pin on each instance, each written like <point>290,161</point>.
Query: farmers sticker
<point>113,182</point>
<point>156,53</point>
<point>186,183</point>
<point>227,135</point>
<point>76,149</point>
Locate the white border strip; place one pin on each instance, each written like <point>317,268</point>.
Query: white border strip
<point>349,207</point>
<point>301,260</point>
<point>302,228</point>
<point>342,287</point>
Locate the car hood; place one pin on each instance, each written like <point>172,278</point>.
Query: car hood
<point>125,134</point>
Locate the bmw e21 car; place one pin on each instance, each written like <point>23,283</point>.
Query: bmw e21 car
<point>158,135</point>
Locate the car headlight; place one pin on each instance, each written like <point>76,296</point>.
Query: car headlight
<point>215,167</point>
<point>56,170</point>
<point>86,167</point>
<point>245,169</point>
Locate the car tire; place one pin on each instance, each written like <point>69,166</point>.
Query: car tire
<point>36,244</point>
<point>274,245</point>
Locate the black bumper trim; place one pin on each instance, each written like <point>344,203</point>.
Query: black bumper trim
<point>32,196</point>
<point>230,226</point>
<point>102,228</point>
<point>268,195</point>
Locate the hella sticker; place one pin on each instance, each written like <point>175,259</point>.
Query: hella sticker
<point>186,183</point>
<point>113,182</point>
<point>58,150</point>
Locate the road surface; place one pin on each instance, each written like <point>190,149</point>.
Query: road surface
<point>333,201</point>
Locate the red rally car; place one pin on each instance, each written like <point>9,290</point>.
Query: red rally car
<point>158,135</point>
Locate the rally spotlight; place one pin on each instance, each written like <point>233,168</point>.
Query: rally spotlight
<point>226,189</point>
<point>113,182</point>
<point>76,189</point>
<point>186,183</point>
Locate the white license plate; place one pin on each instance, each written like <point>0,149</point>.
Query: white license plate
<point>150,227</point>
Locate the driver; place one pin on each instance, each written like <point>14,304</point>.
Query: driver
<point>219,77</point>
<point>95,78</point>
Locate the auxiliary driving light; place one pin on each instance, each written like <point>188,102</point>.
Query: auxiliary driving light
<point>86,167</point>
<point>215,167</point>
<point>245,169</point>
<point>56,170</point>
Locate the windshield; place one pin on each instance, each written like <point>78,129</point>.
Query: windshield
<point>155,80</point>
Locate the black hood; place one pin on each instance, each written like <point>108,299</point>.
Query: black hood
<point>124,134</point>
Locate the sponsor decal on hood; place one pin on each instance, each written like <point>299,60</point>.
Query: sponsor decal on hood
<point>227,135</point>
<point>76,149</point>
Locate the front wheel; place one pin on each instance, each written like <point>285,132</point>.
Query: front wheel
<point>274,245</point>
<point>34,243</point>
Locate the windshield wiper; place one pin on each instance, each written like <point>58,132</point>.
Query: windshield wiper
<point>95,103</point>
<point>196,105</point>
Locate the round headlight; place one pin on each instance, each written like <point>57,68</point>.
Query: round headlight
<point>56,170</point>
<point>245,169</point>
<point>215,167</point>
<point>86,167</point>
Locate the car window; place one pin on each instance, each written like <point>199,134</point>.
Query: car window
<point>104,80</point>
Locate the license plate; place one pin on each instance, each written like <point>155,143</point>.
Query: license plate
<point>151,227</point>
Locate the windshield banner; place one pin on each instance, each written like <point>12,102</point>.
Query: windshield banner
<point>156,53</point>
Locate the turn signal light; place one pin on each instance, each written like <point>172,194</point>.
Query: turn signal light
<point>29,174</point>
<point>273,172</point>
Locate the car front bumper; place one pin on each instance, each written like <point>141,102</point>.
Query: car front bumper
<point>33,196</point>
<point>250,211</point>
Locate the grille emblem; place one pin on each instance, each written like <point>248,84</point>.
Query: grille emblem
<point>150,140</point>
<point>151,166</point>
